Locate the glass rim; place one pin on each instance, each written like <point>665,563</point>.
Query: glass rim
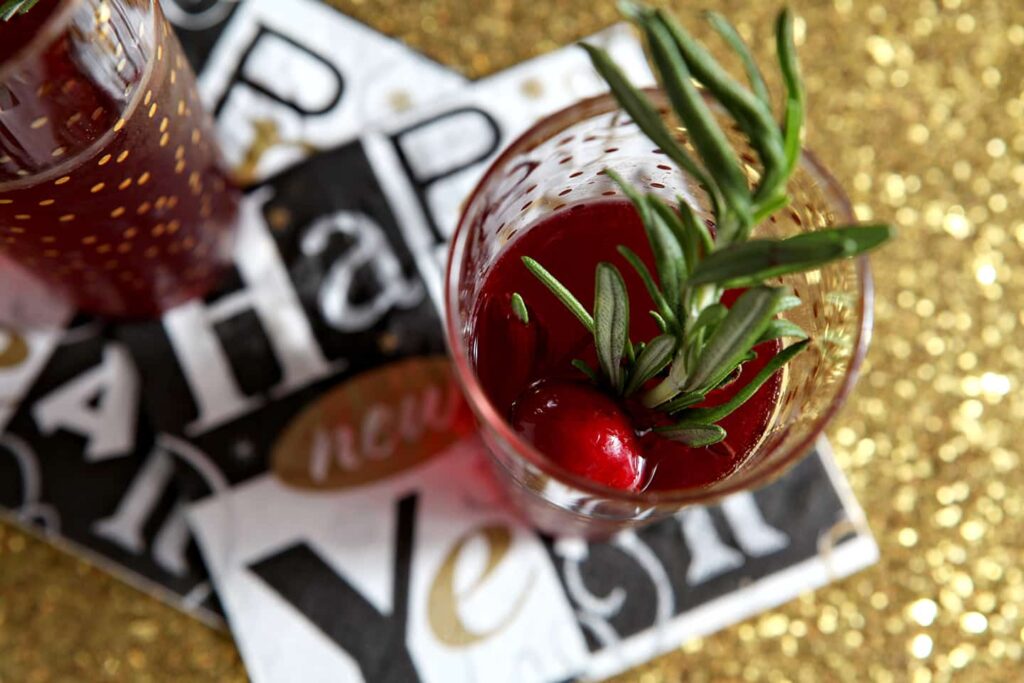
<point>489,416</point>
<point>51,28</point>
<point>54,25</point>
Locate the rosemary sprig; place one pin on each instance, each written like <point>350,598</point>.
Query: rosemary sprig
<point>519,308</point>
<point>10,8</point>
<point>704,343</point>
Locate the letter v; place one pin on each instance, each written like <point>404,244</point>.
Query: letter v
<point>376,641</point>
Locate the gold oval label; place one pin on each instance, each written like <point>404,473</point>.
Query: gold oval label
<point>373,426</point>
<point>15,348</point>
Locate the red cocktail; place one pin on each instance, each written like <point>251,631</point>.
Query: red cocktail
<point>522,364</point>
<point>549,197</point>
<point>111,186</point>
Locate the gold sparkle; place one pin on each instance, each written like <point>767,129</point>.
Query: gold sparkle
<point>532,88</point>
<point>400,101</point>
<point>926,90</point>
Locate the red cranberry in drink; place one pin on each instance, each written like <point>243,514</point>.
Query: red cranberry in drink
<point>583,430</point>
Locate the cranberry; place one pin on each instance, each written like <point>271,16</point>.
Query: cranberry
<point>583,430</point>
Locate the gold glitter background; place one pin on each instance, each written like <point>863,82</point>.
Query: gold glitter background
<point>918,108</point>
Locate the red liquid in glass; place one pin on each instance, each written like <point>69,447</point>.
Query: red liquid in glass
<point>111,187</point>
<point>509,356</point>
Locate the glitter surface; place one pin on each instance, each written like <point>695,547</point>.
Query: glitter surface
<point>917,107</point>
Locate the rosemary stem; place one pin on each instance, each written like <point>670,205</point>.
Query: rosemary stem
<point>703,341</point>
<point>665,390</point>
